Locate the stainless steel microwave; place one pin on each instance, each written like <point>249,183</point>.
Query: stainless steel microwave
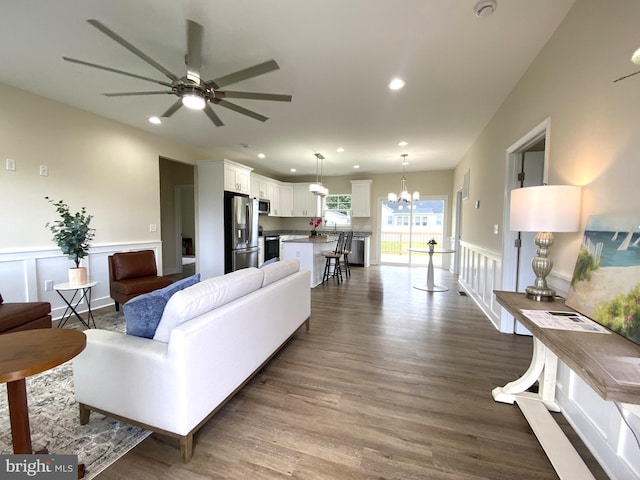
<point>264,206</point>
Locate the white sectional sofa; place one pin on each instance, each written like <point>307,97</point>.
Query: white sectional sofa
<point>212,338</point>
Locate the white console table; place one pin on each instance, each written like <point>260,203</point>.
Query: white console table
<point>594,357</point>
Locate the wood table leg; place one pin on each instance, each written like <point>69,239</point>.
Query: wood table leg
<point>19,415</point>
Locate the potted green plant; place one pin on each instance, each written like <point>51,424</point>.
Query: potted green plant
<point>432,244</point>
<point>73,235</point>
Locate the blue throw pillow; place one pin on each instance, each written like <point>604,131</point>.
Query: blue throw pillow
<point>143,313</point>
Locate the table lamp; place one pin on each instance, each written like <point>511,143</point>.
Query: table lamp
<point>544,209</point>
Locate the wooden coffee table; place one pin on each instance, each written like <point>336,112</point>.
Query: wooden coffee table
<point>26,353</point>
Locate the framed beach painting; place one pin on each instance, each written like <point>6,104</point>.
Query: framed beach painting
<point>606,280</point>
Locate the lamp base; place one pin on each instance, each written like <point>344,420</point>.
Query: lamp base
<point>541,294</point>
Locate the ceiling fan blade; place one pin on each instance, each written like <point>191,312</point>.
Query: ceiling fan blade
<point>626,76</point>
<point>276,97</point>
<point>114,70</point>
<point>129,94</point>
<point>212,115</point>
<point>173,109</point>
<point>244,74</point>
<point>194,50</point>
<point>114,36</point>
<point>239,109</point>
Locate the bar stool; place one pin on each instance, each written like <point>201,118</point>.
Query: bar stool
<point>346,250</point>
<point>333,259</point>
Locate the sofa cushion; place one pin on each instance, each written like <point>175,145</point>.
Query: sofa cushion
<point>134,264</point>
<point>206,296</point>
<point>278,270</point>
<point>143,313</point>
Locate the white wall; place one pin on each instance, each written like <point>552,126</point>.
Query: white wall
<point>111,169</point>
<point>594,143</point>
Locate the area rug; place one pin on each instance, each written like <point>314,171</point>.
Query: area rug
<point>53,415</point>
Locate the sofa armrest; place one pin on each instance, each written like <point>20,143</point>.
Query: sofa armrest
<point>126,375</point>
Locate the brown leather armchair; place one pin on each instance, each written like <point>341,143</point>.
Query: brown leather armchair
<point>15,317</point>
<point>132,274</point>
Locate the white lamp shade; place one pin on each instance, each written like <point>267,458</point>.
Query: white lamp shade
<point>546,208</point>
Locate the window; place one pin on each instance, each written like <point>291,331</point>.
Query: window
<point>337,210</point>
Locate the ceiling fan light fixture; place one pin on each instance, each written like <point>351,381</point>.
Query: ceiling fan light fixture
<point>635,58</point>
<point>193,101</point>
<point>155,120</point>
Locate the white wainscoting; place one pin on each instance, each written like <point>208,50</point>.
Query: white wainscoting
<point>23,273</point>
<point>598,422</point>
<point>480,274</point>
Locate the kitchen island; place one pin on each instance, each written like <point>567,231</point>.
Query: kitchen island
<point>309,254</point>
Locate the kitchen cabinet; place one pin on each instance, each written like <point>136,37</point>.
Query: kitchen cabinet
<point>286,200</point>
<point>305,203</point>
<point>273,194</point>
<point>237,178</point>
<point>258,186</point>
<point>361,198</point>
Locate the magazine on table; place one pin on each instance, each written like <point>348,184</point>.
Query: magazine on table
<point>560,320</point>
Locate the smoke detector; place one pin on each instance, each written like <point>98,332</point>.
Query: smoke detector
<point>484,8</point>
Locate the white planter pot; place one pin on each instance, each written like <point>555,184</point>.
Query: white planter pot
<point>78,276</point>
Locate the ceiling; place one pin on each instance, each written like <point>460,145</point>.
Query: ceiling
<point>336,58</point>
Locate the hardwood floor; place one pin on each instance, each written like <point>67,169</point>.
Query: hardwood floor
<point>389,383</point>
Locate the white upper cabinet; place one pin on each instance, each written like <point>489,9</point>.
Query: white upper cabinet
<point>286,200</point>
<point>361,198</point>
<point>273,194</point>
<point>259,186</point>
<point>305,203</point>
<point>237,178</point>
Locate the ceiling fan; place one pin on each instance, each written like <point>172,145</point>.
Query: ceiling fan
<point>192,91</point>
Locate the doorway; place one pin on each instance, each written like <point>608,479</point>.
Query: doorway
<point>407,225</point>
<point>527,166</point>
<point>177,216</point>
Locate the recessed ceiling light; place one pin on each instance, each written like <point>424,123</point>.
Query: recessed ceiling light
<point>293,170</point>
<point>356,166</point>
<point>261,155</point>
<point>339,149</point>
<point>397,84</point>
<point>155,120</point>
<point>403,144</point>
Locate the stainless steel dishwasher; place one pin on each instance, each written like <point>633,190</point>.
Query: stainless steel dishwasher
<point>357,251</point>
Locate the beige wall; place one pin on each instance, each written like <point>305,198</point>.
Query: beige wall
<point>595,124</point>
<point>110,168</point>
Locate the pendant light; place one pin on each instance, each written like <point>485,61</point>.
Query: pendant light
<point>317,188</point>
<point>404,195</point>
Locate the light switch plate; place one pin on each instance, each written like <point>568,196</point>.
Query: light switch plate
<point>11,164</point>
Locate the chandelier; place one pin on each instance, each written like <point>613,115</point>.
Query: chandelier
<point>317,188</point>
<point>404,195</point>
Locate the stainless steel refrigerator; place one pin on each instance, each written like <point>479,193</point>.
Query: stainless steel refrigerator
<point>241,232</point>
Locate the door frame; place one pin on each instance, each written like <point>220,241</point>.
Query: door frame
<point>509,256</point>
<point>457,236</point>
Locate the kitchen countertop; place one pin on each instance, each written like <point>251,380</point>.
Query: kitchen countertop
<point>305,233</point>
<point>308,240</point>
